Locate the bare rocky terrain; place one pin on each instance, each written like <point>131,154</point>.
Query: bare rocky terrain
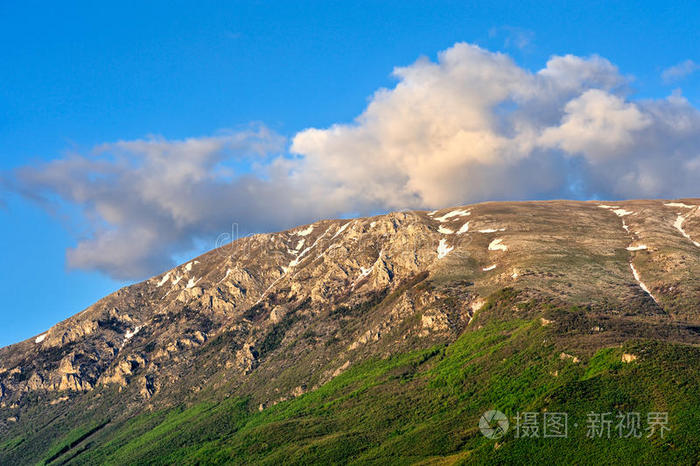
<point>273,316</point>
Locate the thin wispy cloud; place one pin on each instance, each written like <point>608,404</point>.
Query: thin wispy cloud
<point>513,37</point>
<point>468,127</point>
<point>679,71</point>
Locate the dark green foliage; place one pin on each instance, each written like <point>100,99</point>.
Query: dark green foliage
<point>361,308</point>
<point>112,323</point>
<point>10,444</point>
<point>72,440</point>
<point>273,339</point>
<point>255,312</point>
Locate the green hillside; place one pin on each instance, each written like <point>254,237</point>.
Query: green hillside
<point>424,407</point>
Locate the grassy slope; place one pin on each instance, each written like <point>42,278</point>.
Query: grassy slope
<point>425,405</point>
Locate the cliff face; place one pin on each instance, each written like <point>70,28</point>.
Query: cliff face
<point>273,316</point>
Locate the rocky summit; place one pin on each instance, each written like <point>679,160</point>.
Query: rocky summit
<point>380,340</point>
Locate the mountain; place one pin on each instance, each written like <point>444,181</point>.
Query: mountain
<point>383,340</point>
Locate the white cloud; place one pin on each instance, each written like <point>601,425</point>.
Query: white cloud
<point>679,71</point>
<point>471,126</point>
<point>573,74</point>
<point>476,126</point>
<point>145,200</point>
<point>597,124</point>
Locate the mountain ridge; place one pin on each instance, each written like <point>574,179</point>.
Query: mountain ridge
<point>273,316</point>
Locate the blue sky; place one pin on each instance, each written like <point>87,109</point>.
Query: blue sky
<point>77,76</point>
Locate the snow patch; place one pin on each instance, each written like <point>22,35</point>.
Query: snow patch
<point>496,245</point>
<point>617,210</point>
<point>678,224</point>
<point>188,267</point>
<point>679,204</point>
<point>305,231</point>
<point>371,225</point>
<point>40,338</point>
<point>622,212</point>
<point>192,282</point>
<point>443,249</point>
<point>463,229</point>
<point>164,280</point>
<point>490,267</point>
<point>342,229</point>
<point>363,273</point>
<point>639,281</point>
<point>445,231</point>
<point>293,264</point>
<point>300,244</point>
<point>177,280</point>
<point>228,272</point>
<point>637,248</point>
<point>492,230</point>
<point>130,334</point>
<point>454,213</point>
<point>298,259</point>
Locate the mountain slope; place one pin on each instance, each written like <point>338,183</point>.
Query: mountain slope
<point>352,337</point>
